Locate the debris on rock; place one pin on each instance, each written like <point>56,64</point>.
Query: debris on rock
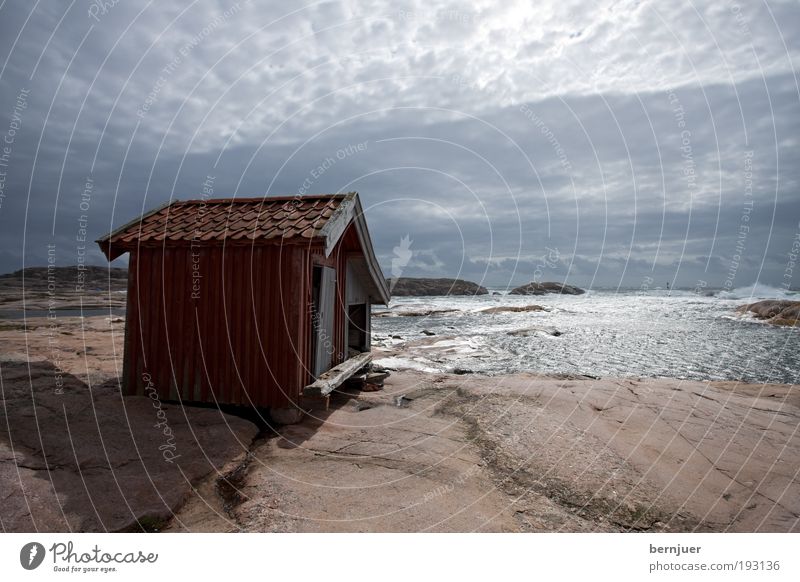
<point>402,401</point>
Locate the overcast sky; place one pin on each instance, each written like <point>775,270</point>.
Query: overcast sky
<point>605,143</point>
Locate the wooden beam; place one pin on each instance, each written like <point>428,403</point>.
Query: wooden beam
<point>336,376</point>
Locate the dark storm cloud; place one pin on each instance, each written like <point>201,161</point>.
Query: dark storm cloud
<point>679,162</point>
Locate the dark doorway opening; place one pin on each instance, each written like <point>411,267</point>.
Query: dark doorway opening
<point>357,328</point>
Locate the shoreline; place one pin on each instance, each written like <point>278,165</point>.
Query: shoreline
<point>518,452</point>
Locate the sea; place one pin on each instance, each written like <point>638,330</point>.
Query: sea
<point>633,333</point>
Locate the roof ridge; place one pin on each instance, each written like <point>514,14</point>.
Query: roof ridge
<point>250,200</point>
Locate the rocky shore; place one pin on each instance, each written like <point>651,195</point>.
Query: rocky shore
<point>776,312</point>
<point>429,452</point>
<point>525,453</point>
<point>76,456</point>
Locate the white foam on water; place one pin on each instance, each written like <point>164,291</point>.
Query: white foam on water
<point>610,332</point>
<point>396,363</point>
<point>758,291</point>
<point>443,344</point>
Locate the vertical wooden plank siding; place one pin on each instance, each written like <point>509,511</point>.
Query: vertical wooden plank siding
<point>247,343</point>
<point>245,338</point>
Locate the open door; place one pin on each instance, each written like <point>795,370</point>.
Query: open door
<point>322,314</point>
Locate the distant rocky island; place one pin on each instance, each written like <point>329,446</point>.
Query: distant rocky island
<point>534,288</point>
<point>414,287</point>
<point>72,287</point>
<point>65,278</point>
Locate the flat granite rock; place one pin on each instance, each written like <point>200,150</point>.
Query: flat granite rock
<point>88,459</point>
<point>774,311</point>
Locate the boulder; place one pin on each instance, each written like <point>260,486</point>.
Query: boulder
<point>775,311</point>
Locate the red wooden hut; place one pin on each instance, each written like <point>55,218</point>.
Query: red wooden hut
<point>245,301</point>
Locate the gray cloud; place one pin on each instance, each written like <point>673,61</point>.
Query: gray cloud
<point>633,141</point>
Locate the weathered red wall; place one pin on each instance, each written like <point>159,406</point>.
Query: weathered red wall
<point>246,339</point>
<point>243,340</point>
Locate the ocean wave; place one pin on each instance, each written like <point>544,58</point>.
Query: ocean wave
<point>758,291</point>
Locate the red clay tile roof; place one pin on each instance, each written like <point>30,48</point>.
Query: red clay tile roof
<point>322,216</point>
<point>284,217</point>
